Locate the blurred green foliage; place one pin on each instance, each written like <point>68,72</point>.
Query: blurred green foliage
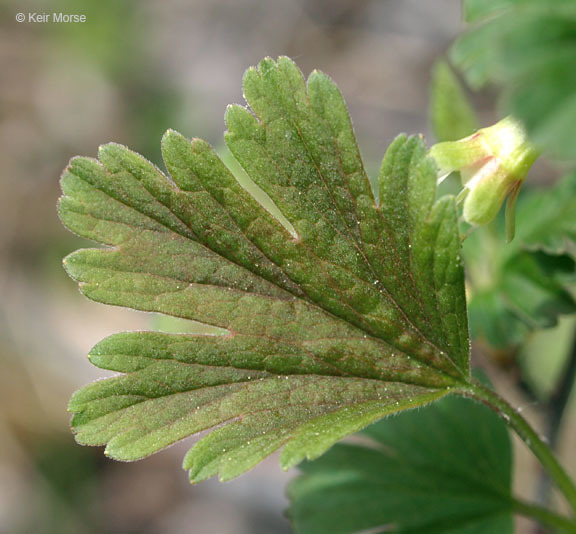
<point>452,116</point>
<point>526,47</point>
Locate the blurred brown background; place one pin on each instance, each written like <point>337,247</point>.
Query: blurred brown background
<point>132,70</point>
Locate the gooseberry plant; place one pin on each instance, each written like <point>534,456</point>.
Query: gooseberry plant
<point>335,301</point>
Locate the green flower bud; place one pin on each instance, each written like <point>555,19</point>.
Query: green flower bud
<point>493,164</point>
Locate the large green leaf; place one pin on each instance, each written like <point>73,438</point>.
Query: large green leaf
<point>346,312</point>
<point>528,47</point>
<point>443,469</point>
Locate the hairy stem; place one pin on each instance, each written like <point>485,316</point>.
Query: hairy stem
<point>540,449</point>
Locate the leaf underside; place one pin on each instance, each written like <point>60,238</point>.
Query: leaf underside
<point>355,311</point>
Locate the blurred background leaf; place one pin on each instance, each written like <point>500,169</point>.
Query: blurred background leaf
<point>544,355</point>
<point>526,285</point>
<point>452,116</point>
<point>514,290</point>
<point>527,48</point>
<point>547,221</point>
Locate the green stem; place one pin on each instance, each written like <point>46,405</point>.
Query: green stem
<point>544,516</point>
<point>528,436</point>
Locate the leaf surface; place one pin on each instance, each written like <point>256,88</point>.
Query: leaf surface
<point>445,469</point>
<point>345,312</point>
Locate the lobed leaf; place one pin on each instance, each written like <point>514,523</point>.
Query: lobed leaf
<point>345,312</point>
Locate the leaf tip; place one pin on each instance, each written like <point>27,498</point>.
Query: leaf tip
<point>108,148</point>
<point>170,141</point>
<point>66,264</point>
<point>269,64</point>
<point>171,135</point>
